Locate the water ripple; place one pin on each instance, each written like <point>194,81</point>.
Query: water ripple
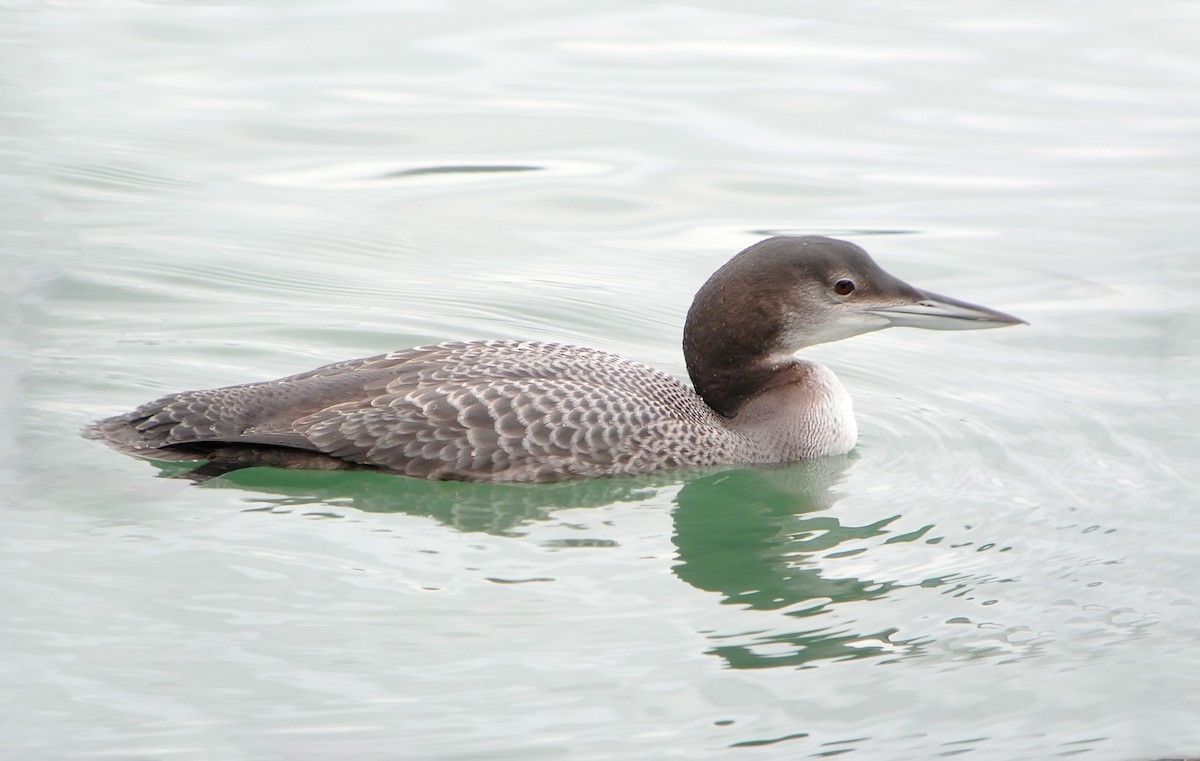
<point>372,173</point>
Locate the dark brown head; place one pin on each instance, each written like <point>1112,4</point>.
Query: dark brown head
<point>785,293</point>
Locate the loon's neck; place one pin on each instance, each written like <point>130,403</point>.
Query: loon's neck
<point>740,332</point>
<point>728,387</point>
<point>732,342</point>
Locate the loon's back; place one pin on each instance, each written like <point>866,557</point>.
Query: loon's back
<point>477,411</point>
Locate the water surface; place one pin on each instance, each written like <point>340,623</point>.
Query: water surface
<point>1003,569</point>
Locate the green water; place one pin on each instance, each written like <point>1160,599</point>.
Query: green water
<point>1004,569</point>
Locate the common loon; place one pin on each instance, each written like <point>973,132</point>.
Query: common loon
<point>529,411</point>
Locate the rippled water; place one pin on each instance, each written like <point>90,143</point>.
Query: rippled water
<point>206,195</point>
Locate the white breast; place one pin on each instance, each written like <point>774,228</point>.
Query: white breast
<point>829,414</point>
<point>812,417</point>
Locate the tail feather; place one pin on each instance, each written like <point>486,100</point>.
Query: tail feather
<point>122,432</point>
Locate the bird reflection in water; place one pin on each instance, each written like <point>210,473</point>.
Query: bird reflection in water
<point>753,536</point>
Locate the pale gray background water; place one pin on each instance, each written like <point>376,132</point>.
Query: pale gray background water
<point>195,196</point>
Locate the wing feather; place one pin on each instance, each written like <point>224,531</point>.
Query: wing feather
<point>487,410</point>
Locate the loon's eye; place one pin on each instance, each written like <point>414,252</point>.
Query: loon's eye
<point>843,287</point>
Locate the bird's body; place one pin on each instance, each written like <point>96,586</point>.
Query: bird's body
<point>477,411</point>
<point>528,411</point>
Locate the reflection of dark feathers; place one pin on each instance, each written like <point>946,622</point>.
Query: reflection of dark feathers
<point>486,410</point>
<point>497,508</point>
<point>736,494</point>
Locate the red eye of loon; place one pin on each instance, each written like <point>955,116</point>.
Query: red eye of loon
<point>843,287</point>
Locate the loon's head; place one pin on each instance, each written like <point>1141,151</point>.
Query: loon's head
<point>810,289</point>
<point>785,293</point>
